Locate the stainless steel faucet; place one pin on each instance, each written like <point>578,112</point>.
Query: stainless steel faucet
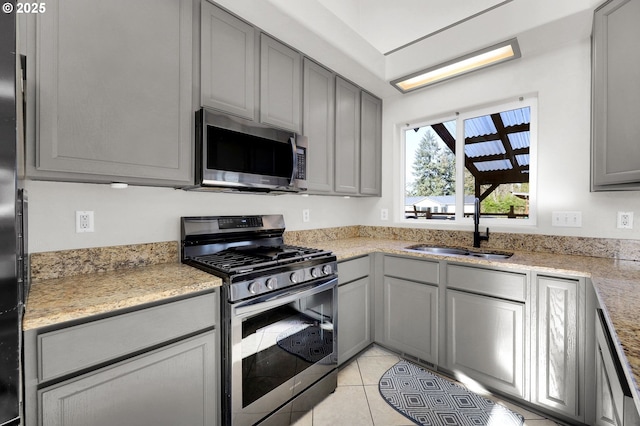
<point>477,238</point>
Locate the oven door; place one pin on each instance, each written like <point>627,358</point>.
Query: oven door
<point>280,345</point>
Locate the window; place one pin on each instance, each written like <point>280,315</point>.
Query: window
<point>486,153</point>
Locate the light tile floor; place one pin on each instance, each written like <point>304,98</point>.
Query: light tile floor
<point>357,401</point>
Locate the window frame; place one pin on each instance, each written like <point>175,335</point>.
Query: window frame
<point>530,101</point>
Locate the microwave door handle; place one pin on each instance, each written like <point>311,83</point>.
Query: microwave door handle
<point>294,155</point>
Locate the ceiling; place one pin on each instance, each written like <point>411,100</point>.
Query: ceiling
<point>390,25</point>
<point>376,41</point>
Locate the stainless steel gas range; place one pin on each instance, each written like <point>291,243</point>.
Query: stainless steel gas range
<point>278,316</point>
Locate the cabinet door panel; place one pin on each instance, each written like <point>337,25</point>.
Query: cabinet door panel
<point>610,395</point>
<point>615,151</point>
<point>411,318</point>
<point>228,62</point>
<point>485,340</point>
<point>280,85</point>
<point>347,172</point>
<point>114,91</point>
<point>354,321</point>
<point>557,338</point>
<point>370,145</point>
<point>171,386</point>
<point>318,125</point>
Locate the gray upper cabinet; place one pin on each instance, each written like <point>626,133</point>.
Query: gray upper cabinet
<point>228,61</point>
<point>318,125</point>
<point>112,91</point>
<point>370,144</point>
<point>280,85</point>
<point>616,107</point>
<point>347,160</point>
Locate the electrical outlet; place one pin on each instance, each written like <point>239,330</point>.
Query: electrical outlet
<point>625,220</point>
<point>84,221</point>
<point>384,214</point>
<point>567,219</point>
<point>306,215</point>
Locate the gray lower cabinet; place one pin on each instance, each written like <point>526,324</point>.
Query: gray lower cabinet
<point>171,386</point>
<point>615,106</point>
<point>111,92</point>
<point>485,328</point>
<point>154,366</point>
<point>609,393</point>
<point>410,301</point>
<point>228,62</point>
<point>280,85</point>
<point>559,353</point>
<point>354,307</point>
<point>318,126</point>
<point>614,405</point>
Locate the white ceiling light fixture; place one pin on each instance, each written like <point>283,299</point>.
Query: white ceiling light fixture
<point>493,55</point>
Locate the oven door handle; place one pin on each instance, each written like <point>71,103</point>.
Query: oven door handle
<point>271,301</point>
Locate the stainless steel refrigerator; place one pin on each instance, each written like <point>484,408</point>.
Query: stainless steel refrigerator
<point>12,243</point>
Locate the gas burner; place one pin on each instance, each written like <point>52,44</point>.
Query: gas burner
<point>243,259</point>
<point>252,260</point>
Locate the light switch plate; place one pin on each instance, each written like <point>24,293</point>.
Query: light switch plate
<point>569,219</point>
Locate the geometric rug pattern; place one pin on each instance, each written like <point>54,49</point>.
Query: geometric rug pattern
<point>430,400</point>
<point>308,342</point>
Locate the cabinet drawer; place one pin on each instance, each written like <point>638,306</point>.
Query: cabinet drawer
<point>351,270</point>
<point>507,285</point>
<point>410,269</point>
<point>65,351</point>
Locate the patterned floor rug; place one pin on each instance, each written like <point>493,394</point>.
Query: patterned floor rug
<point>430,400</point>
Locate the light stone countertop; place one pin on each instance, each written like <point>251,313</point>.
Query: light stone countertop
<point>58,300</point>
<point>617,284</point>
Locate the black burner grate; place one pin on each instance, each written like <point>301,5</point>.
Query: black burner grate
<point>244,259</point>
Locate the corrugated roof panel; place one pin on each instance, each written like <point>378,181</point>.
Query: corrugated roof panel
<point>482,149</point>
<point>451,127</point>
<point>522,159</point>
<point>489,166</point>
<point>519,140</point>
<point>516,116</point>
<point>479,126</point>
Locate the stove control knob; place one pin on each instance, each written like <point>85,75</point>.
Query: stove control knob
<point>254,287</point>
<point>315,272</point>
<point>326,269</point>
<point>295,277</point>
<point>272,283</point>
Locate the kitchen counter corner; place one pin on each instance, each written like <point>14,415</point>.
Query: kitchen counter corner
<point>59,300</point>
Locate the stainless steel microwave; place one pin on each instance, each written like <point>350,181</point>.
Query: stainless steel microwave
<point>240,154</point>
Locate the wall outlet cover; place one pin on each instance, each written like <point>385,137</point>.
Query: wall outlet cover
<point>84,221</point>
<point>625,220</point>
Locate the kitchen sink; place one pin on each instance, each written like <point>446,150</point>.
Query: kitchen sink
<point>456,251</point>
